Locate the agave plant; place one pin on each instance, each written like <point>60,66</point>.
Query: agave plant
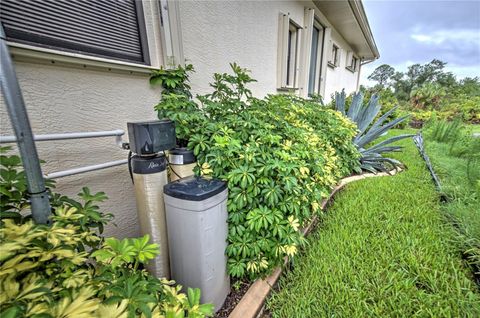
<point>372,158</point>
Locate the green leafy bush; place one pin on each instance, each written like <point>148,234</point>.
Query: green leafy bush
<point>49,271</point>
<point>465,107</point>
<point>427,96</point>
<point>280,155</point>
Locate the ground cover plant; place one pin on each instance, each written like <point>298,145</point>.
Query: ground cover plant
<point>384,249</point>
<point>68,269</point>
<point>280,155</point>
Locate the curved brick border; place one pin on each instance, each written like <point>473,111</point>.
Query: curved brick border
<point>251,304</point>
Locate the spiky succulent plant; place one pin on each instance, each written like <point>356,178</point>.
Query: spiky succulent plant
<point>372,158</point>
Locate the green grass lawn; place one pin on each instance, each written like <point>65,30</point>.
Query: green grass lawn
<point>384,249</point>
<point>475,128</point>
<point>464,200</point>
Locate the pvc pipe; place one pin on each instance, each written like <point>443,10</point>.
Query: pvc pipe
<point>64,136</point>
<point>17,112</point>
<point>71,172</point>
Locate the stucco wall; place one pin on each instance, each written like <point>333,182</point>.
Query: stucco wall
<point>70,98</point>
<point>216,33</point>
<point>65,99</point>
<point>339,78</point>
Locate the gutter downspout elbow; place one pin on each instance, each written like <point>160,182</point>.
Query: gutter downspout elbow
<point>360,70</point>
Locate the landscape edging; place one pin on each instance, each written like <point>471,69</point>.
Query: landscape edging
<point>251,304</point>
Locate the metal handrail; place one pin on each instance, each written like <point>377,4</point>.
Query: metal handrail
<point>71,172</point>
<point>118,133</point>
<point>64,136</point>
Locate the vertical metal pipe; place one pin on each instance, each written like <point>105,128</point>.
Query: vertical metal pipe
<point>19,118</point>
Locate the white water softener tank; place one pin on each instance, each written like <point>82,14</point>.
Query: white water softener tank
<point>196,210</point>
<point>149,175</point>
<point>181,162</point>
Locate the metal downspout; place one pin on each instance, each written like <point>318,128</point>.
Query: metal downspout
<point>362,63</point>
<point>19,118</point>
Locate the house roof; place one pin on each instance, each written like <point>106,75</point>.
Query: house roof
<point>348,17</point>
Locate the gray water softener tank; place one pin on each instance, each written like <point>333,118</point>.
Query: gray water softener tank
<point>196,211</point>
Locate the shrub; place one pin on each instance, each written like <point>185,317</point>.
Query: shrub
<point>280,156</point>
<point>427,96</point>
<point>465,107</point>
<point>50,271</point>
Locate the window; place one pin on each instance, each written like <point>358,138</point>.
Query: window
<point>111,29</point>
<point>335,56</point>
<point>288,55</point>
<point>353,62</point>
<point>315,58</point>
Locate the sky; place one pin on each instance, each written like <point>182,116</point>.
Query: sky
<point>409,32</point>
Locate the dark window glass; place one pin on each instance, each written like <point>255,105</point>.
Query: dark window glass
<point>313,61</point>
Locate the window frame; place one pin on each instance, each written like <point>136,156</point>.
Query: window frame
<point>353,63</point>
<point>288,60</point>
<point>157,48</point>
<point>292,55</point>
<point>36,41</point>
<point>319,58</point>
<point>334,60</point>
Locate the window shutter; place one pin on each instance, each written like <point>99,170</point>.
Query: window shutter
<point>106,28</point>
<point>283,27</point>
<point>349,60</point>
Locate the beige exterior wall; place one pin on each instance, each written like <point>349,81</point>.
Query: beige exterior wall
<point>71,93</point>
<point>65,99</point>
<point>66,93</point>
<point>216,33</point>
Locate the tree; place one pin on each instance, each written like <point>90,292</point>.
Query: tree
<point>382,74</point>
<point>428,73</point>
<point>401,86</point>
<point>417,75</point>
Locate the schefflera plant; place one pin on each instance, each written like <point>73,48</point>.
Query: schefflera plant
<point>372,158</point>
<point>280,155</point>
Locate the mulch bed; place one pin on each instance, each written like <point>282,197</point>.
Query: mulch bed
<point>233,298</point>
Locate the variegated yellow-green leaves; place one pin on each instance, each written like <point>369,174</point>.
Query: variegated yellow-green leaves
<point>44,274</point>
<point>69,270</point>
<point>280,156</point>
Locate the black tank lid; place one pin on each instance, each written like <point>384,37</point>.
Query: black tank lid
<point>194,188</point>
